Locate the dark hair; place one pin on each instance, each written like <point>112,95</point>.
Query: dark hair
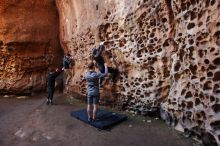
<point>94,50</point>
<point>91,65</point>
<point>51,69</point>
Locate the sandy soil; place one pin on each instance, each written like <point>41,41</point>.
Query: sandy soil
<point>30,122</point>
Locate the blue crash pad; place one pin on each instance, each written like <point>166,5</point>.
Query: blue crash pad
<point>105,119</point>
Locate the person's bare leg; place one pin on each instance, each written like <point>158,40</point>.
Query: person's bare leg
<point>89,111</point>
<point>67,79</point>
<point>67,76</point>
<point>94,111</point>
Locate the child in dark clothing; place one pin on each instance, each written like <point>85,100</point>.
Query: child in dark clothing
<point>97,56</point>
<point>51,84</point>
<point>67,59</point>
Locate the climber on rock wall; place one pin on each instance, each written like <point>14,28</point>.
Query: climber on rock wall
<point>51,84</point>
<point>67,59</point>
<point>97,56</point>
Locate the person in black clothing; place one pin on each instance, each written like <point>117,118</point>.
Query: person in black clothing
<point>66,64</point>
<point>97,56</point>
<point>51,84</point>
<point>66,61</point>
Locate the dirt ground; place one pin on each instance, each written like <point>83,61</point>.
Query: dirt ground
<point>28,121</point>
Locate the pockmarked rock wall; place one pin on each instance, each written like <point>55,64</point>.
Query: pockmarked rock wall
<point>29,44</point>
<point>167,53</point>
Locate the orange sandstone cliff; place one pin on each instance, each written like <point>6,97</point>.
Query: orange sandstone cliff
<point>29,44</point>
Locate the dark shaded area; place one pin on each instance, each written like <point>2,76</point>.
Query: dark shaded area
<point>105,119</point>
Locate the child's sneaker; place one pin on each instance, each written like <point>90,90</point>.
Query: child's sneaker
<point>51,102</point>
<point>47,103</point>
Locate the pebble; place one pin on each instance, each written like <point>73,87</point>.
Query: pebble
<point>20,133</point>
<point>130,126</point>
<point>21,97</point>
<point>47,136</point>
<point>6,96</point>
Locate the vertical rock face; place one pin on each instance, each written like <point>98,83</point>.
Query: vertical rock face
<point>167,52</point>
<point>29,43</point>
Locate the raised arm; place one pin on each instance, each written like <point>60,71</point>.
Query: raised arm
<point>58,72</point>
<point>100,75</point>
